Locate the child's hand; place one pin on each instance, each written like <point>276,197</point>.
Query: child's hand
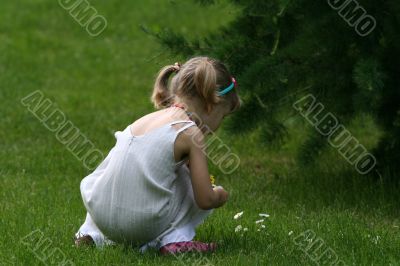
<point>222,195</point>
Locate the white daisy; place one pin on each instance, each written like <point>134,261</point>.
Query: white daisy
<point>264,215</point>
<point>237,215</point>
<point>260,221</point>
<point>238,228</point>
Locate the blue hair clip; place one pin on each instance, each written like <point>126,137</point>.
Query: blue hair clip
<point>227,89</point>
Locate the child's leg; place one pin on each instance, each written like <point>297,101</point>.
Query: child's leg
<point>183,233</point>
<point>90,228</point>
<point>179,237</point>
<point>187,231</point>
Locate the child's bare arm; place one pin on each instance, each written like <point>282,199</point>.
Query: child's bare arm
<point>206,197</point>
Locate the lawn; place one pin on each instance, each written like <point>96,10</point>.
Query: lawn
<point>317,213</point>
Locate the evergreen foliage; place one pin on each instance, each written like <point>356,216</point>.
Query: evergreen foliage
<point>280,50</point>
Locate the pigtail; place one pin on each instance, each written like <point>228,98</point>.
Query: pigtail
<point>205,81</point>
<point>161,96</point>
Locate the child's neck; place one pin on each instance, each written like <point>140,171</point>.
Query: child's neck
<point>193,110</point>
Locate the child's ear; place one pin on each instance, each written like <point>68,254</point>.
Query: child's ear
<point>209,108</point>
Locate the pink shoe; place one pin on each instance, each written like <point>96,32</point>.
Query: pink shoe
<point>181,247</point>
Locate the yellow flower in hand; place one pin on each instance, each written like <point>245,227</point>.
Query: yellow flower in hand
<point>212,179</point>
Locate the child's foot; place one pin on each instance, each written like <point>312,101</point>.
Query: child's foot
<point>181,247</point>
<point>85,240</point>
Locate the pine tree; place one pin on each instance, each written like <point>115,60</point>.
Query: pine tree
<point>282,49</point>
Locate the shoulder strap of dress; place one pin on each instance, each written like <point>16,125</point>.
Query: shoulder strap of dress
<point>180,121</point>
<point>188,124</point>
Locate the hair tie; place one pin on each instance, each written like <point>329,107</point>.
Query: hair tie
<point>227,89</point>
<point>177,67</point>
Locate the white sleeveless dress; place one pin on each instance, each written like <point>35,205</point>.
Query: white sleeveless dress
<point>139,194</point>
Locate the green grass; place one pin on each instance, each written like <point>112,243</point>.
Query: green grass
<point>102,84</point>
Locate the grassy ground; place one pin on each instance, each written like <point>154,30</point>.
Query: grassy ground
<point>102,84</point>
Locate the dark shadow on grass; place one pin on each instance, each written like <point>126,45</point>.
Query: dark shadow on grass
<point>341,189</point>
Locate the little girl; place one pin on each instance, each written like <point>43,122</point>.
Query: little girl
<point>144,193</point>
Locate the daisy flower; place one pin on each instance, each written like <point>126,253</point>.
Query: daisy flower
<point>238,228</point>
<point>237,215</point>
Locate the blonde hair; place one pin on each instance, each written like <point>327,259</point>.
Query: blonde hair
<point>200,78</point>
